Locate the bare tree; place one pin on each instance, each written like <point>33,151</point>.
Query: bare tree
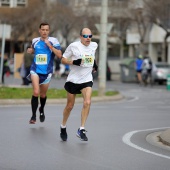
<point>23,22</point>
<point>158,12</point>
<point>62,18</point>
<point>140,22</point>
<point>119,16</point>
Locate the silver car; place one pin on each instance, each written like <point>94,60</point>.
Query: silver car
<point>160,72</point>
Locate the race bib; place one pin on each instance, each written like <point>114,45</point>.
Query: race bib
<point>87,60</point>
<point>41,59</point>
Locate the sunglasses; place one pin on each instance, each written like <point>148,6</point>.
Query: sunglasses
<point>87,36</point>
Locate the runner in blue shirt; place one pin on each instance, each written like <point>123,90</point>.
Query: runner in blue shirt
<point>45,49</point>
<point>138,63</point>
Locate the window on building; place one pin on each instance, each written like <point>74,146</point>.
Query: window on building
<point>65,2</point>
<point>21,3</point>
<point>81,2</point>
<point>13,3</point>
<point>95,2</point>
<point>5,3</point>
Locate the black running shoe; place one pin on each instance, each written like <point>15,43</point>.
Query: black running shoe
<point>63,134</point>
<point>42,115</point>
<point>32,120</point>
<point>82,134</point>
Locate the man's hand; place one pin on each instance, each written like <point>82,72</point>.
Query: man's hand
<point>77,62</point>
<point>30,50</point>
<point>95,66</point>
<point>48,43</point>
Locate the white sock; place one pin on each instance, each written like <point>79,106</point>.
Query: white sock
<point>63,126</point>
<point>81,127</point>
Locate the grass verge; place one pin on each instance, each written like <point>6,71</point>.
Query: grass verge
<point>26,93</point>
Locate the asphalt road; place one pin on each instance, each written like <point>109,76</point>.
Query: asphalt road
<point>118,133</point>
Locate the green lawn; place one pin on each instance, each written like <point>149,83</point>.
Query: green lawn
<point>26,93</point>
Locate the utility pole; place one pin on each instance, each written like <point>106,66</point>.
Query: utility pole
<point>2,52</point>
<point>103,48</point>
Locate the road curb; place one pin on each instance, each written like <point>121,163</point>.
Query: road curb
<point>165,137</point>
<point>60,101</point>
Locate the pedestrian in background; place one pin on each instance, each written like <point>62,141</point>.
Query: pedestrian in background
<point>138,64</point>
<point>28,58</point>
<point>5,69</point>
<point>45,49</point>
<point>147,70</point>
<point>81,58</point>
<point>22,72</point>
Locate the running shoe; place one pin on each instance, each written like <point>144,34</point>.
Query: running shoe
<point>32,120</point>
<point>82,134</point>
<point>63,134</point>
<point>42,115</point>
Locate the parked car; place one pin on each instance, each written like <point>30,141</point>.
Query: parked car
<point>160,72</point>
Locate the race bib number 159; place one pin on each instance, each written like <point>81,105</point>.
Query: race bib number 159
<point>41,59</point>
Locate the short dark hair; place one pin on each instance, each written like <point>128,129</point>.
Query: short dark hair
<point>43,24</point>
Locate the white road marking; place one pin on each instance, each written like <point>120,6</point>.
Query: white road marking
<point>127,140</point>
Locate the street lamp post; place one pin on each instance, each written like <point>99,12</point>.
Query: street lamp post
<point>2,52</point>
<point>103,48</point>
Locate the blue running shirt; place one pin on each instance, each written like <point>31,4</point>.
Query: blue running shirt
<point>139,64</point>
<point>43,55</point>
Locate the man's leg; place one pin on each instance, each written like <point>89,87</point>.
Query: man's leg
<point>66,114</point>
<point>34,99</point>
<point>43,97</point>
<point>68,108</point>
<point>86,92</point>
<point>43,92</point>
<point>139,77</point>
<point>3,75</point>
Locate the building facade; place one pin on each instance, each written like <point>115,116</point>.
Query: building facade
<point>124,38</point>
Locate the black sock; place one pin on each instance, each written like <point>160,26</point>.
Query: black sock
<point>43,102</point>
<point>34,105</point>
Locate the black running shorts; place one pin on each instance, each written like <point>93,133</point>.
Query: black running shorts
<point>76,88</point>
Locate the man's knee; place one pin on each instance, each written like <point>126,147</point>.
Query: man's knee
<point>87,103</point>
<point>69,106</point>
<point>43,95</point>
